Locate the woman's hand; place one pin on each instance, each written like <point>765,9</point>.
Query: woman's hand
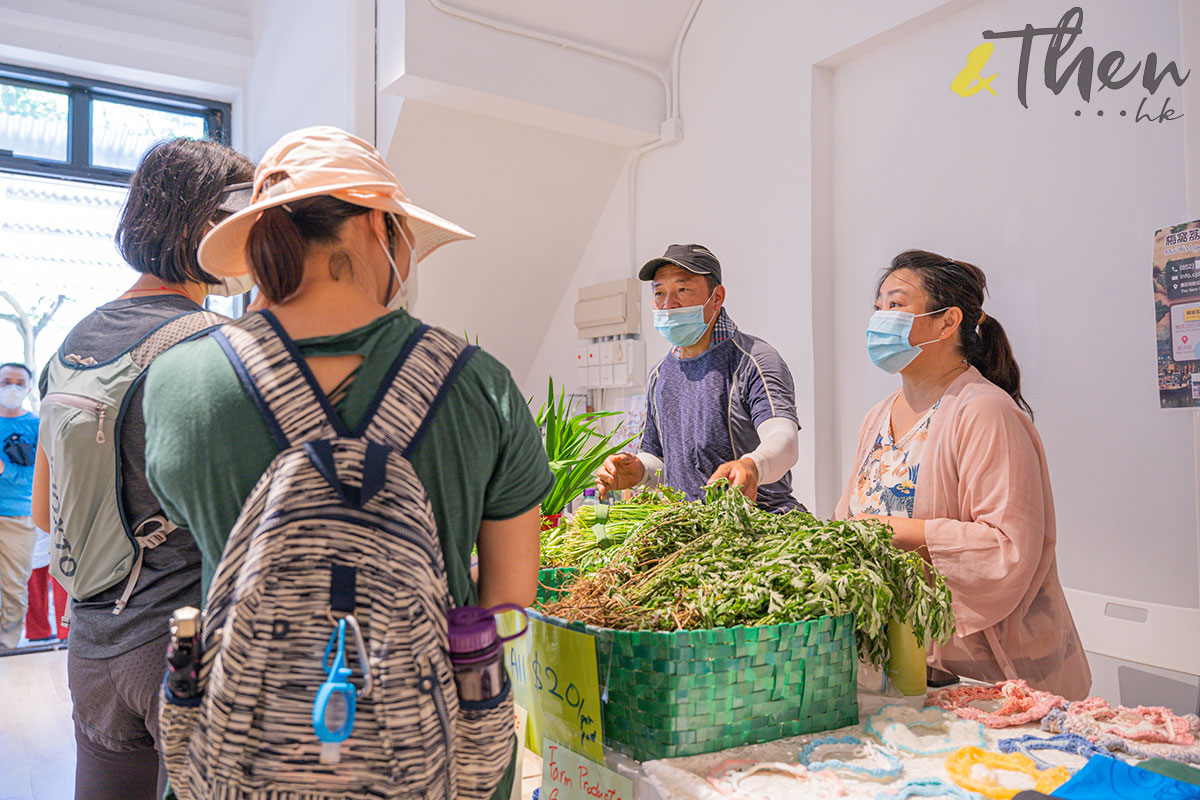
<point>907,534</point>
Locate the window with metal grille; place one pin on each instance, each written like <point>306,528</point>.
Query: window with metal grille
<point>65,126</point>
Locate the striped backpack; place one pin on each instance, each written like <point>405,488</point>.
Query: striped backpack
<point>338,527</point>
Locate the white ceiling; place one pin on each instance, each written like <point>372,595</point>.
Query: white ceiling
<point>644,29</point>
<point>226,17</point>
<point>221,24</point>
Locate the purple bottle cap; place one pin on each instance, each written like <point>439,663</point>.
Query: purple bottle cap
<point>471,629</point>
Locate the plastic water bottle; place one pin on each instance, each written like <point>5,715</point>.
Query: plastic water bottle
<point>476,651</point>
<point>589,497</point>
<point>183,653</point>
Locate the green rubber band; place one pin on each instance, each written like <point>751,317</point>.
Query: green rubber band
<point>601,534</point>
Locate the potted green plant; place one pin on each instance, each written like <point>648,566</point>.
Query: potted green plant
<point>575,448</point>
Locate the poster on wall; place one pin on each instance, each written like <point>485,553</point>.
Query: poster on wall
<point>1177,314</point>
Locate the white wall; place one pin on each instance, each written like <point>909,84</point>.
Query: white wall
<point>1060,212</point>
<point>532,198</point>
<point>314,64</point>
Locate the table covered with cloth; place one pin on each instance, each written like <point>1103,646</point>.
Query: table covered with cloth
<point>901,749</point>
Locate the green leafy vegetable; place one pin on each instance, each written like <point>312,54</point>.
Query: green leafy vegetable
<point>725,562</point>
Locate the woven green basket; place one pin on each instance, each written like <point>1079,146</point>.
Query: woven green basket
<point>690,692</point>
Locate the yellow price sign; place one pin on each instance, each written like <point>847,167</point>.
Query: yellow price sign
<point>553,671</point>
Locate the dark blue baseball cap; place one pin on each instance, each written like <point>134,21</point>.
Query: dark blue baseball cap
<point>694,258</point>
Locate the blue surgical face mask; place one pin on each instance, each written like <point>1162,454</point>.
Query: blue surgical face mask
<point>682,327</point>
<point>887,339</point>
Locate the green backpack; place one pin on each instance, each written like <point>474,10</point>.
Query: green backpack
<point>93,545</point>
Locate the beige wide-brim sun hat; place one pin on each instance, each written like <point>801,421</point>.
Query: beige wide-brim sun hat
<point>316,161</point>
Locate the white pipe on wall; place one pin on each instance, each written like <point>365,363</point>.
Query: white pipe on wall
<point>674,119</point>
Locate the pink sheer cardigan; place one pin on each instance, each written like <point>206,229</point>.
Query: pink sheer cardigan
<point>984,493</point>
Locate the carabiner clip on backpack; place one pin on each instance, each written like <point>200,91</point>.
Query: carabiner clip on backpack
<point>337,697</point>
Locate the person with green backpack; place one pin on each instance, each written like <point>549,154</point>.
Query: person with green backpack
<point>124,564</point>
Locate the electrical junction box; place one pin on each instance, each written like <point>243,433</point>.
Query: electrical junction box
<point>611,364</point>
<point>609,309</point>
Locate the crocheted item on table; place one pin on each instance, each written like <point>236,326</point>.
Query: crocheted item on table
<point>1058,721</point>
<point>924,787</point>
<point>1071,743</point>
<point>1020,705</point>
<point>852,756</point>
<point>896,725</point>
<point>1184,754</point>
<point>727,778</point>
<point>976,770</point>
<point>1094,717</point>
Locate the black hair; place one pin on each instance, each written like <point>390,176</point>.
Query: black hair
<point>18,365</point>
<point>279,241</point>
<point>173,195</point>
<point>982,340</point>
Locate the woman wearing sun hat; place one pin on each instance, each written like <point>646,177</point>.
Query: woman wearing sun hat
<point>333,243</point>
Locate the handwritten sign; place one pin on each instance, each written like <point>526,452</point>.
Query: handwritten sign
<point>553,671</point>
<point>570,776</point>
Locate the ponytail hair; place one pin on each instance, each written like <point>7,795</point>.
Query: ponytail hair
<point>992,355</point>
<point>982,340</point>
<point>280,239</point>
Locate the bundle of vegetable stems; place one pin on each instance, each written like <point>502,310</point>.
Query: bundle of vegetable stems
<point>578,543</point>
<point>725,562</point>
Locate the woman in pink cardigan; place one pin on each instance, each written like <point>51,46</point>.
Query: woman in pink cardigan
<point>953,463</point>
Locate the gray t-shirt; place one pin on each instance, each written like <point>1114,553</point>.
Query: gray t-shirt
<point>170,575</point>
<point>702,412</point>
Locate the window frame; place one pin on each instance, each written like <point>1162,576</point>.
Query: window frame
<point>80,92</point>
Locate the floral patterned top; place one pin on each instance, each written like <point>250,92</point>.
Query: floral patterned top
<point>887,482</point>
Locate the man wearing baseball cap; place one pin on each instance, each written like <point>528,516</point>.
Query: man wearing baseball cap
<point>720,405</point>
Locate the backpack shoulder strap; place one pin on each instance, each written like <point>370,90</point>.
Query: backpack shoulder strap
<point>278,380</point>
<point>414,388</point>
<point>173,332</point>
